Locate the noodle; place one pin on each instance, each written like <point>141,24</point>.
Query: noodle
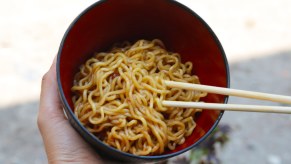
<point>118,95</point>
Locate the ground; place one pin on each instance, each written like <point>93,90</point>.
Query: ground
<point>256,38</point>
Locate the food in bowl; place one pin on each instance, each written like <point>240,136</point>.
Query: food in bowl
<point>181,29</point>
<point>118,97</point>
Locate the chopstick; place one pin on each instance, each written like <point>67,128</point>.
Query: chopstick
<point>230,92</point>
<point>229,107</point>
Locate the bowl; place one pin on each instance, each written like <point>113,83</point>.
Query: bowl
<point>182,30</point>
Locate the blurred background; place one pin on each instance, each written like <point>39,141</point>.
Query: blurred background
<point>255,35</point>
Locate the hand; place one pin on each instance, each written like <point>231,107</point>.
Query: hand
<point>62,143</point>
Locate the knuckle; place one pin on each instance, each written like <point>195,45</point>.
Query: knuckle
<point>40,121</point>
<point>44,77</point>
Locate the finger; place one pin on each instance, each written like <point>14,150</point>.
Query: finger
<point>61,141</point>
<point>50,104</point>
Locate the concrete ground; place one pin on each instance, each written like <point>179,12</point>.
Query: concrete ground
<point>255,35</point>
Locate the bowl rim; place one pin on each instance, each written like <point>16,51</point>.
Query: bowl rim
<point>84,130</point>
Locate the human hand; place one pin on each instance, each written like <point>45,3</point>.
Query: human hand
<point>62,143</point>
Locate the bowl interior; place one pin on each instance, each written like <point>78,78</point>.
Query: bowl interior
<point>182,31</point>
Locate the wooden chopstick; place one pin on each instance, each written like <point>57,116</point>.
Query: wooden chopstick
<point>230,92</point>
<point>229,107</point>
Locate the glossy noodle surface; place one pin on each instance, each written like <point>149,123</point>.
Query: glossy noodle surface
<point>118,95</point>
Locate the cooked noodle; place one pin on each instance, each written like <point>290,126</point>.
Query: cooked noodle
<point>118,95</point>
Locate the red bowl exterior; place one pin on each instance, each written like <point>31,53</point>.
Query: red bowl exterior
<point>183,31</point>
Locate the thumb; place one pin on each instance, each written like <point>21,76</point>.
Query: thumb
<point>50,108</point>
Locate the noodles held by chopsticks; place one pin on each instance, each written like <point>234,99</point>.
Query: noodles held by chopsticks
<point>118,95</point>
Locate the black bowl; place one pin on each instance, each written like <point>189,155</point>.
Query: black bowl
<point>183,31</point>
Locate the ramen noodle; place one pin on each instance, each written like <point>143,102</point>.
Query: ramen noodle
<point>118,97</point>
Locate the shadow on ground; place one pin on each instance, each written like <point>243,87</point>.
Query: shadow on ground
<point>257,137</point>
<point>20,140</point>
